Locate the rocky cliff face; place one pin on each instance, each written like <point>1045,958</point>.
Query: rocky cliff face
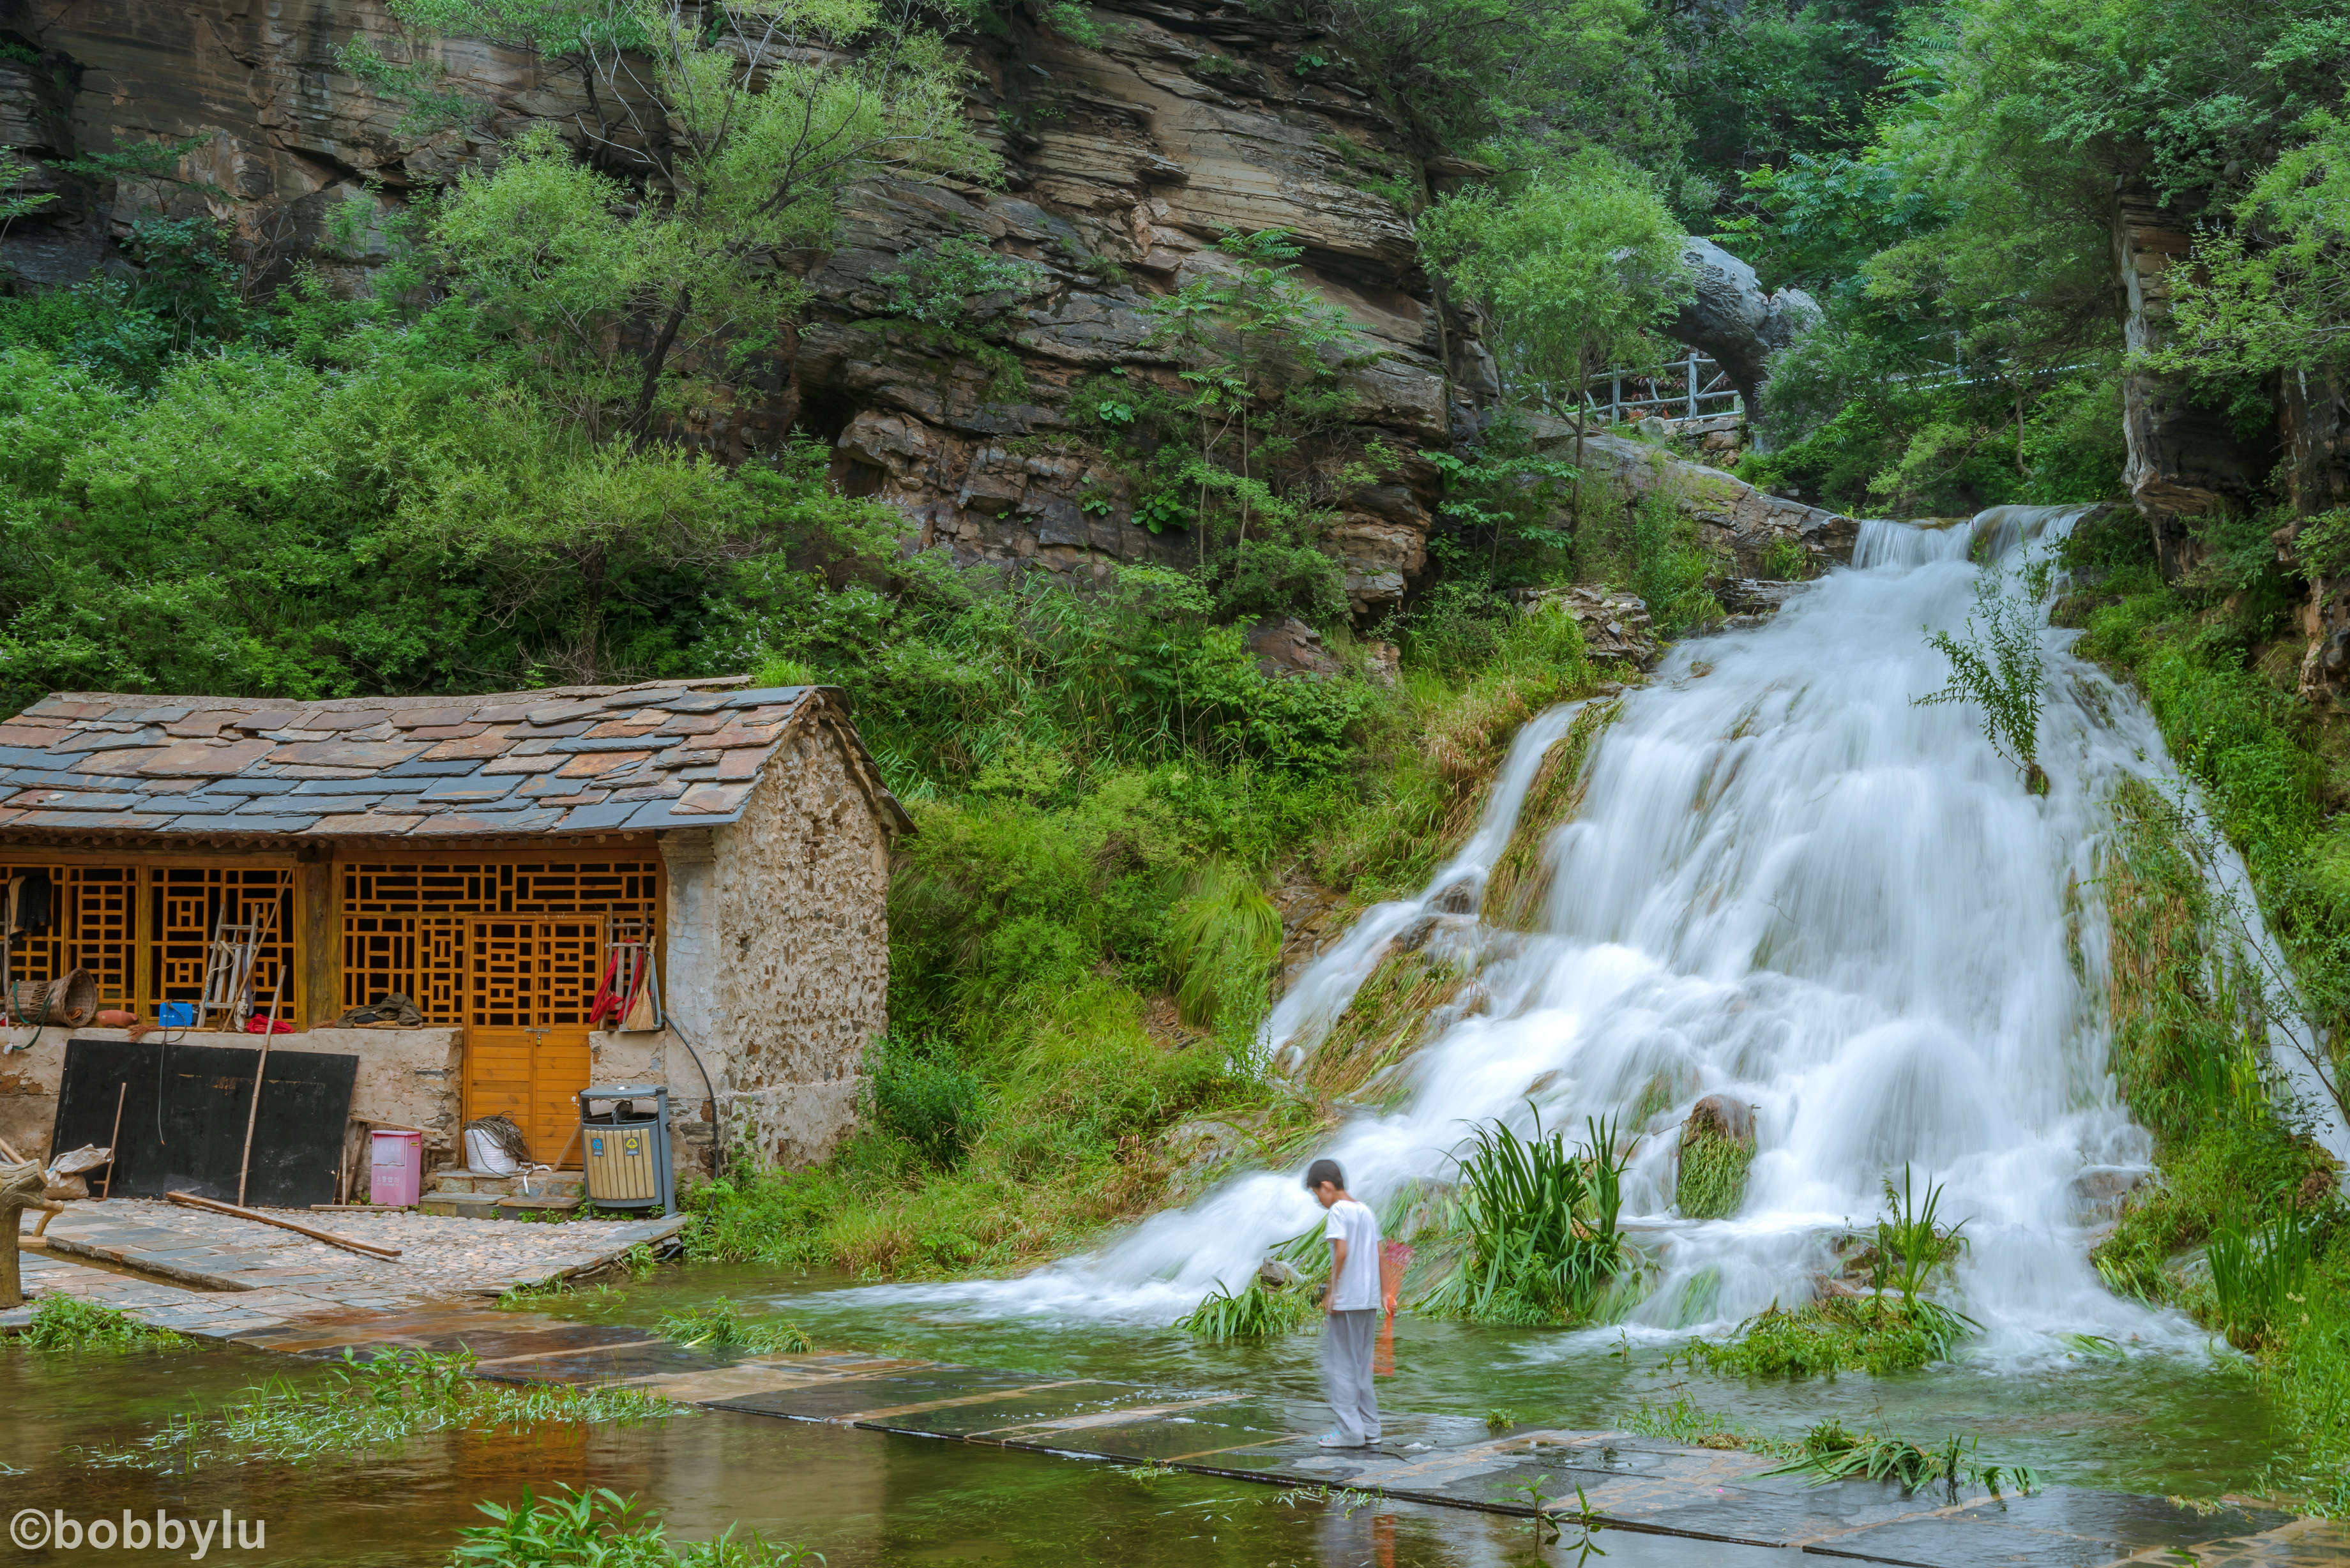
<point>1126,161</point>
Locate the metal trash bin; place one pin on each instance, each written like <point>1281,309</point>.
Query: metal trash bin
<point>627,1150</point>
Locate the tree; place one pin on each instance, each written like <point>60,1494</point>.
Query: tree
<point>2272,292</point>
<point>1555,75</point>
<point>1262,351</point>
<point>732,135</point>
<point>1577,266</point>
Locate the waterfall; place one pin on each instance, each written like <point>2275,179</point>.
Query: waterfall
<point>1788,884</point>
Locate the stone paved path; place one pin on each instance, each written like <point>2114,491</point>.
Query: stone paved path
<point>230,1272</point>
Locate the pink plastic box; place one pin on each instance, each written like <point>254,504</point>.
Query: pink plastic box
<point>395,1168</point>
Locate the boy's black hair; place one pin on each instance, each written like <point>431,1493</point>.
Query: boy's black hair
<point>1322,1170</point>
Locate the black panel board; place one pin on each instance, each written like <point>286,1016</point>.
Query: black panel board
<point>183,1118</point>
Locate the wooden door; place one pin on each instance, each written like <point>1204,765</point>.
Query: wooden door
<point>528,983</point>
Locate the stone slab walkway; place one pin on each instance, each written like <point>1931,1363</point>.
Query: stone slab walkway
<point>205,1253</point>
<point>278,1293</point>
<point>1633,1483</point>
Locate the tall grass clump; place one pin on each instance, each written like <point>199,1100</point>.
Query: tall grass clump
<point>1255,1311</point>
<point>1226,935</point>
<point>1715,1157</point>
<point>1538,1219</point>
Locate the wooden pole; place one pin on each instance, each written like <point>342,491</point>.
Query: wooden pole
<point>189,1199</point>
<point>253,1110</point>
<point>20,1188</point>
<point>114,1147</point>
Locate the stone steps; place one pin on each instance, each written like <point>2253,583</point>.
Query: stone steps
<point>557,1184</point>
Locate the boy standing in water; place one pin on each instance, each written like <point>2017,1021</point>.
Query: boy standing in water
<point>1353,1305</point>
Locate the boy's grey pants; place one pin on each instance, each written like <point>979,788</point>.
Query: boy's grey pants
<point>1347,1340</point>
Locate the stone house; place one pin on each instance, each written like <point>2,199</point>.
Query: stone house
<point>478,854</point>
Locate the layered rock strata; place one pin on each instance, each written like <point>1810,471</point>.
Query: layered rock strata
<point>1126,160</point>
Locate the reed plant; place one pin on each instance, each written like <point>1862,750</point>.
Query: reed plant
<point>2259,1278</point>
<point>1540,1223</point>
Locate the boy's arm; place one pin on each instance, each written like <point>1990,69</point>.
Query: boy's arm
<point>1337,1270</point>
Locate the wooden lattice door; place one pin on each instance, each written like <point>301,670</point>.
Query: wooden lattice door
<point>529,981</point>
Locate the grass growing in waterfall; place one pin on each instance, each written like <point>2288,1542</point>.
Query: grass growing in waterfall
<point>1084,932</point>
<point>1538,1218</point>
<point>2245,1229</point>
<point>1715,1156</point>
<point>1894,1326</point>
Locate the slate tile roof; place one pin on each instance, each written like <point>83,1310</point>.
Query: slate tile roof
<point>572,759</point>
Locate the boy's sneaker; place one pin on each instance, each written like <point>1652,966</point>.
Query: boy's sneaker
<point>1334,1438</point>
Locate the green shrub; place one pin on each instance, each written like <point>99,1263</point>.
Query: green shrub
<point>919,1094</point>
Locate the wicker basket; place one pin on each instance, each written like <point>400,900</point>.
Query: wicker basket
<point>70,999</point>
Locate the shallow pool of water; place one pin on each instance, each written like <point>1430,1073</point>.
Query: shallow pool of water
<point>2146,1422</point>
<point>861,1497</point>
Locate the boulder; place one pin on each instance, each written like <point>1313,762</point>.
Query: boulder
<point>1731,319</point>
<point>1616,626</point>
<point>1733,516</point>
<point>1723,1117</point>
<point>1285,646</point>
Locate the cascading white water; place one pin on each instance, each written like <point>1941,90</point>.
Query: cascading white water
<point>1789,884</point>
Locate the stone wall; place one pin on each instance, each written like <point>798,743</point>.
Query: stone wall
<point>778,948</point>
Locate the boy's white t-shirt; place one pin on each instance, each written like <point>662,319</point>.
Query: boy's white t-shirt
<point>1358,1288</point>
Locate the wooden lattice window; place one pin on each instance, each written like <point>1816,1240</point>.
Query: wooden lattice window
<point>144,932</point>
<point>404,924</point>
<point>93,925</point>
<point>188,907</point>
